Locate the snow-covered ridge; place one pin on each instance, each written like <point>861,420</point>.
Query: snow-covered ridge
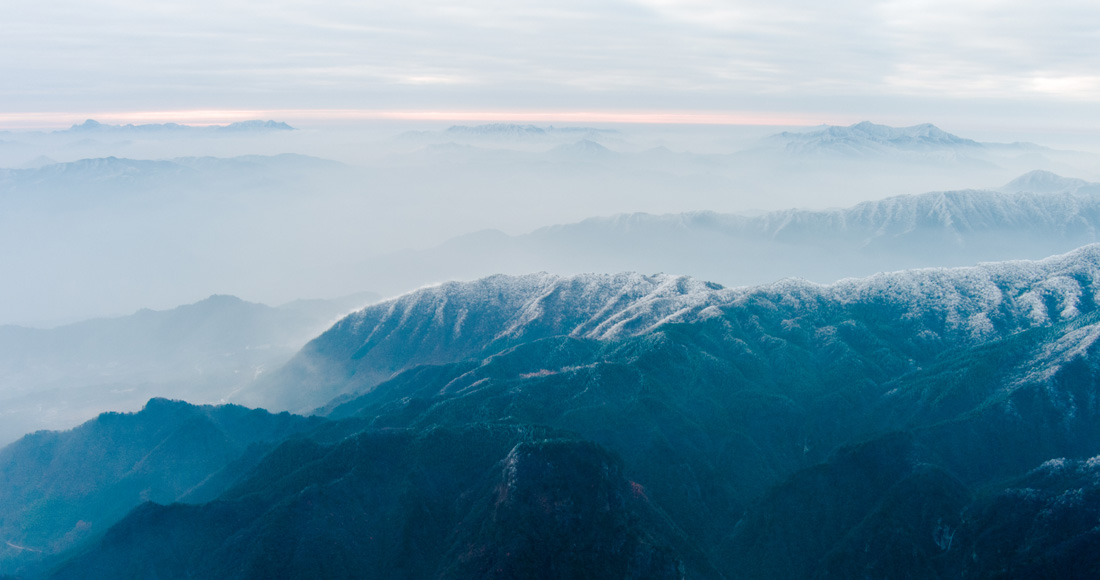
<point>869,139</point>
<point>984,301</point>
<point>867,135</point>
<point>592,305</point>
<point>460,320</point>
<point>942,308</point>
<point>976,302</point>
<point>1038,201</point>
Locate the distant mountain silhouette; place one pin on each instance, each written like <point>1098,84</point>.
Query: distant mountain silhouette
<point>57,378</point>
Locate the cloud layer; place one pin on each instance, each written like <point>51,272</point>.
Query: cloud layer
<point>788,56</point>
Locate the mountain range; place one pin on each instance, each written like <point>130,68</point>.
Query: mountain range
<point>936,422</point>
<point>93,126</point>
<point>870,139</point>
<point>1034,215</point>
<point>116,175</point>
<point>918,424</point>
<point>819,167</point>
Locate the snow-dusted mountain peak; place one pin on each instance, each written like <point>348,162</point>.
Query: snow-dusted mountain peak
<point>588,305</point>
<point>871,139</point>
<point>865,133</point>
<point>1015,295</point>
<point>975,300</point>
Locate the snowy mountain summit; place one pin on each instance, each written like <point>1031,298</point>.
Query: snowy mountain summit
<point>870,138</point>
<point>514,131</point>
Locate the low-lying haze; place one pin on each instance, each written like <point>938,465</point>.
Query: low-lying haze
<point>102,219</point>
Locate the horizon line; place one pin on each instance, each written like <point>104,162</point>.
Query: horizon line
<point>208,117</point>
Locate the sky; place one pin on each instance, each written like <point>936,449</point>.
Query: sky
<point>965,63</point>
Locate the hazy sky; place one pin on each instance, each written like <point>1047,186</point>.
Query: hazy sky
<point>961,62</point>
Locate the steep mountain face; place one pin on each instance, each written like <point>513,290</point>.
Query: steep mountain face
<point>631,426</point>
<point>58,489</point>
<point>877,509</point>
<point>59,377</point>
<point>1032,217</point>
<point>483,501</point>
<point>881,510</point>
<point>1041,524</point>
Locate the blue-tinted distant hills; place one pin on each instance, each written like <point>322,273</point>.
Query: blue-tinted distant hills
<point>114,177</point>
<point>62,488</point>
<point>58,377</point>
<point>105,168</point>
<point>107,235</point>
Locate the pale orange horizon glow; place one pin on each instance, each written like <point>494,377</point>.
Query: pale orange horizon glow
<point>46,120</point>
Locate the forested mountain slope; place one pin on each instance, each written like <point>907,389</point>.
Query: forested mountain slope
<point>921,424</point>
